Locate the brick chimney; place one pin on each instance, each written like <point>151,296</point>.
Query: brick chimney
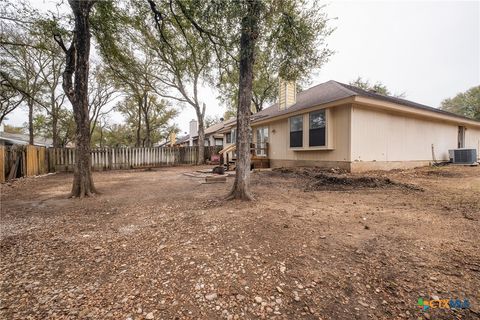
<point>287,94</point>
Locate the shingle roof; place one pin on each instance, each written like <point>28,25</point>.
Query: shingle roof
<point>214,128</point>
<point>408,103</point>
<point>20,138</point>
<point>331,91</point>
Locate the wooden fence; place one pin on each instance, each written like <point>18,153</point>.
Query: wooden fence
<point>21,161</point>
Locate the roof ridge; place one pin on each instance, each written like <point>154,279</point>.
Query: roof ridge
<point>344,87</point>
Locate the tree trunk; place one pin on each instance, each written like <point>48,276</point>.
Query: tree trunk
<point>249,34</point>
<point>148,132</point>
<point>54,115</point>
<point>55,131</point>
<point>139,123</point>
<point>201,138</point>
<point>78,63</point>
<point>30,121</point>
<point>101,137</point>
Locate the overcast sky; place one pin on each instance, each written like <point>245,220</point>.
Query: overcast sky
<point>428,49</point>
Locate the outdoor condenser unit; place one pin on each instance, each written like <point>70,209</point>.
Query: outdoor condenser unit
<point>463,156</point>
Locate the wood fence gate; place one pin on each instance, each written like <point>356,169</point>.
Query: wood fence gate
<point>22,161</point>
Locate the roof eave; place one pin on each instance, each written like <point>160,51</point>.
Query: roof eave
<point>331,104</point>
<point>379,104</point>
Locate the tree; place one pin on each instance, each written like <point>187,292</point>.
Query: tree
<point>75,85</point>
<point>65,128</point>
<point>119,135</point>
<point>264,88</point>
<point>465,103</point>
<point>22,62</point>
<point>101,94</point>
<point>291,31</point>
<point>183,59</point>
<point>236,32</point>
<point>10,98</point>
<point>248,39</point>
<point>13,129</point>
<point>212,120</point>
<point>378,87</point>
<point>156,115</point>
<point>53,97</point>
<point>33,65</point>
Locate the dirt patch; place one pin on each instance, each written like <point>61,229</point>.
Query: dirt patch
<point>442,173</point>
<point>334,180</point>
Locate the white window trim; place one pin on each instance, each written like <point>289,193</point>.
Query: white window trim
<point>306,130</point>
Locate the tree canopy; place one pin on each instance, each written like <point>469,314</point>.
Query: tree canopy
<point>465,103</point>
<point>377,87</point>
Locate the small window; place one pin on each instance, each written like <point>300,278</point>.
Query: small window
<point>317,129</point>
<point>228,137</point>
<point>296,132</point>
<point>234,135</point>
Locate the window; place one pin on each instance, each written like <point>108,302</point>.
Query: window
<point>234,135</point>
<point>317,129</point>
<point>461,137</point>
<point>262,138</point>
<point>228,137</point>
<point>296,132</point>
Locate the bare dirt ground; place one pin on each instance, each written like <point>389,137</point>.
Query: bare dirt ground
<point>160,245</point>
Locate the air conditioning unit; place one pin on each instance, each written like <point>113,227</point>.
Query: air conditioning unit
<point>463,156</point>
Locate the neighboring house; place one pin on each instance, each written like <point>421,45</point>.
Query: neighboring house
<point>338,125</point>
<point>8,139</point>
<point>213,137</point>
<point>183,141</point>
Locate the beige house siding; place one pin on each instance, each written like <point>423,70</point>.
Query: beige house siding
<point>338,135</point>
<point>472,139</point>
<point>388,140</point>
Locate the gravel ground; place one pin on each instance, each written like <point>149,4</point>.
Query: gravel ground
<point>161,245</point>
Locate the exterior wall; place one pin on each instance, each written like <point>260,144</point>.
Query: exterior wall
<point>338,131</point>
<point>472,139</point>
<point>382,140</point>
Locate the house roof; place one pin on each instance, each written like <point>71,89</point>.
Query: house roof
<point>331,91</point>
<point>20,138</point>
<point>214,128</point>
<point>182,139</point>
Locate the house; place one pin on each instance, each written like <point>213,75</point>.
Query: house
<point>8,139</point>
<point>337,125</point>
<point>213,137</point>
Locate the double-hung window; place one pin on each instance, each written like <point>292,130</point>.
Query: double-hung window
<point>296,132</point>
<point>317,130</point>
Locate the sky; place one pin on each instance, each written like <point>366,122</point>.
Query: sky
<point>430,50</point>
